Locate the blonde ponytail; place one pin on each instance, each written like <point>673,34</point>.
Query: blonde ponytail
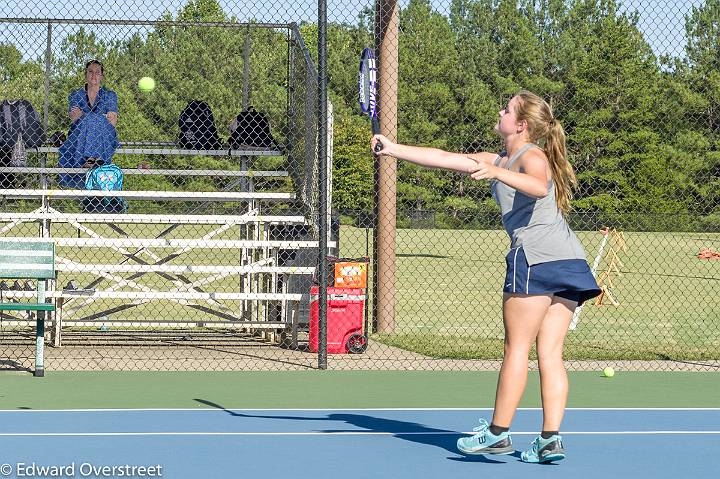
<point>562,172</point>
<point>543,127</point>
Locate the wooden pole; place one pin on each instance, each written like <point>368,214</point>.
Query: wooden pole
<point>386,43</point>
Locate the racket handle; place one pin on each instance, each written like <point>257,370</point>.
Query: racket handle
<point>375,131</point>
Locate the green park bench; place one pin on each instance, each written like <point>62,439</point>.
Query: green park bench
<point>29,260</point>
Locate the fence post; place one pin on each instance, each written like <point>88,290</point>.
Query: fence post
<point>322,178</point>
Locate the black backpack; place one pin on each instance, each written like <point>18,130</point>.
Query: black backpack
<point>18,119</point>
<point>197,127</point>
<point>251,128</point>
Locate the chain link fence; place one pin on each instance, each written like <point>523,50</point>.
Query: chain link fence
<point>205,255</point>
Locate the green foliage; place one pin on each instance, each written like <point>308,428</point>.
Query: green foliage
<point>642,131</point>
<point>19,79</point>
<point>352,165</point>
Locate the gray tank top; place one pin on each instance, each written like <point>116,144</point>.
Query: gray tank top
<point>536,224</point>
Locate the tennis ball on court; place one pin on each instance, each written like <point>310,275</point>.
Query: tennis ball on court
<point>146,84</point>
<point>608,372</point>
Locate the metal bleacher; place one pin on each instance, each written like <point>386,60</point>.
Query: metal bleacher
<point>246,267</point>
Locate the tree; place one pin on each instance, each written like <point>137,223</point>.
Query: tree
<point>609,106</point>
<point>20,78</point>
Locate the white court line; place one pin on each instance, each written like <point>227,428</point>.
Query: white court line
<point>210,409</point>
<point>338,433</point>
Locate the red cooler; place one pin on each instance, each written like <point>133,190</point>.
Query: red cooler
<point>345,308</point>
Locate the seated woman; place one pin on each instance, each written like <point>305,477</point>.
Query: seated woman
<point>92,139</point>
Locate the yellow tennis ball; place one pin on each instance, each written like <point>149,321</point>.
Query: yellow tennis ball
<point>146,84</point>
<point>608,372</point>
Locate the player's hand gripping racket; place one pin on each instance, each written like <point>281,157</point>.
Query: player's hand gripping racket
<point>367,85</point>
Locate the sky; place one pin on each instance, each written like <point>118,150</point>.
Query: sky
<point>661,21</point>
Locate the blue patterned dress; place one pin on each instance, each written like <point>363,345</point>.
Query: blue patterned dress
<point>91,136</point>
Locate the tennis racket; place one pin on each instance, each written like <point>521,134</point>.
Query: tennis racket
<point>367,86</point>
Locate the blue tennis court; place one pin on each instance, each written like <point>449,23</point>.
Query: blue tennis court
<point>348,443</point>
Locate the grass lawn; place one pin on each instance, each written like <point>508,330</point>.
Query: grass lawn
<point>448,290</point>
<point>449,296</point>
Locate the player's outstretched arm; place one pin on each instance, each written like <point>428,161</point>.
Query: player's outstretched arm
<point>432,157</point>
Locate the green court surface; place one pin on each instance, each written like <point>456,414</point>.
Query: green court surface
<point>342,389</point>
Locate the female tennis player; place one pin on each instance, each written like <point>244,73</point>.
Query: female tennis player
<point>547,274</point>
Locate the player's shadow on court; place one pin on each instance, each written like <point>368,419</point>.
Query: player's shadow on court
<point>407,431</point>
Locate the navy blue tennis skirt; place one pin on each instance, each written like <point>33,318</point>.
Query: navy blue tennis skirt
<point>567,278</point>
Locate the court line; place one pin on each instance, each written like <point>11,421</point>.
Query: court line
<point>334,433</point>
<point>209,409</point>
